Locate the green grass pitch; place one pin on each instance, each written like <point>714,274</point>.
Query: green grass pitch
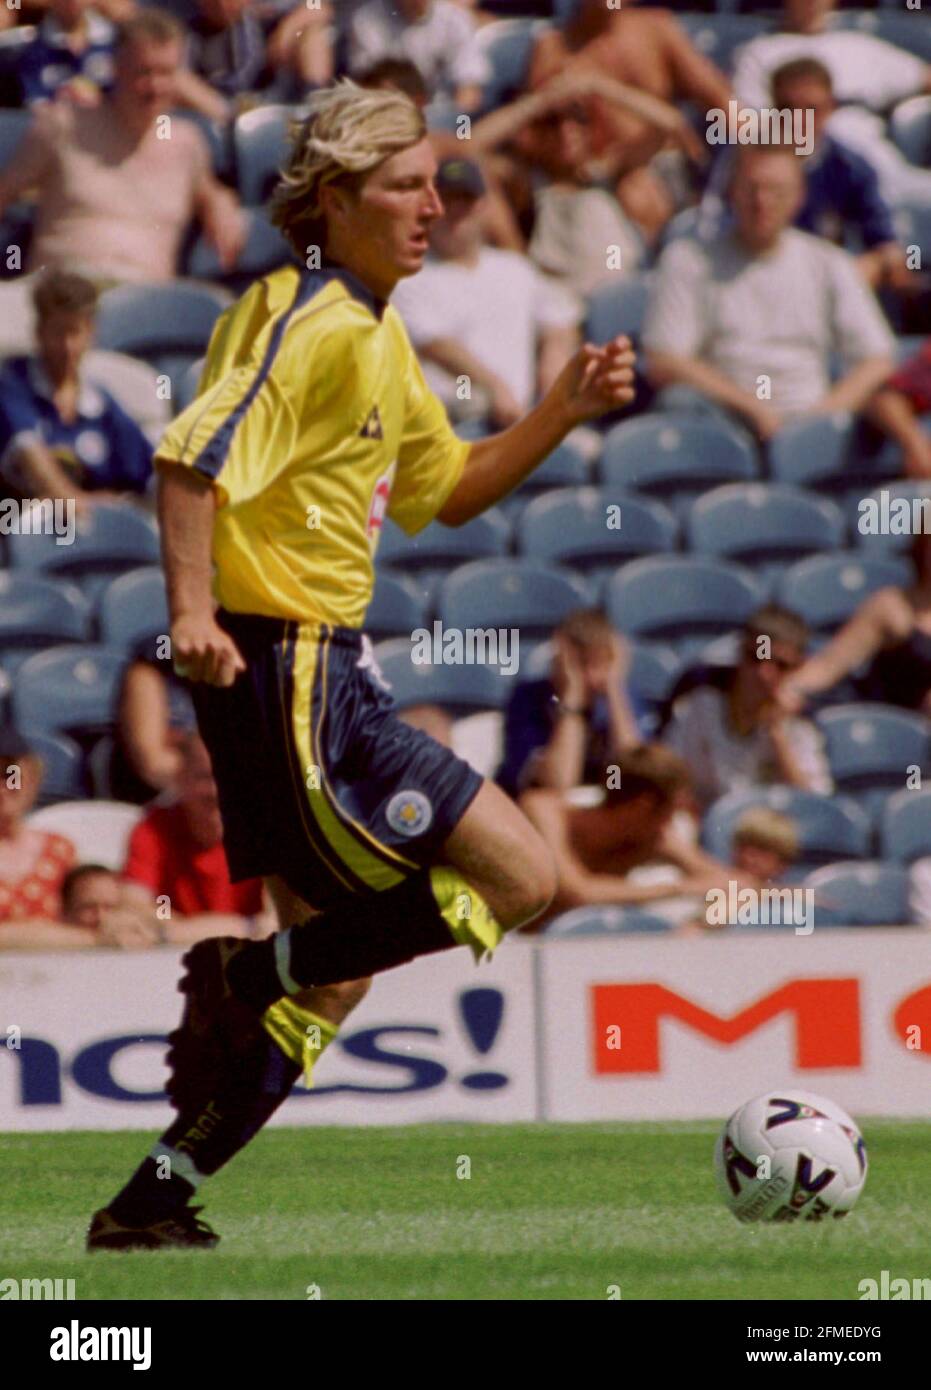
<point>549,1212</point>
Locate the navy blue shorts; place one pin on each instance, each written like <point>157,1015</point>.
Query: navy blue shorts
<point>320,782</point>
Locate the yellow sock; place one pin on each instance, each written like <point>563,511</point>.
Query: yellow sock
<point>300,1033</point>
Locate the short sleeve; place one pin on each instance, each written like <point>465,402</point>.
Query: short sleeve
<point>240,433</point>
<point>19,423</point>
<point>809,753</point>
<point>554,305</point>
<point>132,453</point>
<point>431,457</point>
<point>468,65</point>
<point>859,328</point>
<point>674,320</point>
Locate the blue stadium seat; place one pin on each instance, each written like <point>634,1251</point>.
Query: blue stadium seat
<point>905,826</point>
<point>507,45</point>
<point>916,492</point>
<point>460,690</point>
<point>570,526</point>
<point>605,921</point>
<point>913,224</point>
<point>439,547</point>
<point>185,389</point>
<point>265,250</point>
<point>35,612</point>
<point>874,894</point>
<point>397,606</point>
<point>718,36</point>
<point>828,454</point>
<point>763,525</point>
<point>133,607</point>
<point>618,306</point>
<point>826,589</point>
<point>566,466</point>
<point>871,748</point>
<point>108,541</point>
<point>829,827</point>
<point>654,670</point>
<point>63,774</point>
<point>682,599</point>
<point>676,457</point>
<point>523,594</point>
<point>260,148</point>
<point>68,689</point>
<point>910,128</point>
<point>168,325</point>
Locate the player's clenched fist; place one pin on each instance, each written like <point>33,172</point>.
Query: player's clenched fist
<point>202,651</point>
<point>597,380</point>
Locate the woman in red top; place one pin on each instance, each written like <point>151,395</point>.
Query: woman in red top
<point>33,862</point>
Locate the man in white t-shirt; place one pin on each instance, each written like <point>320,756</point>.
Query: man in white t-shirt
<point>869,76</point>
<point>749,323</point>
<point>491,330</point>
<point>437,36</point>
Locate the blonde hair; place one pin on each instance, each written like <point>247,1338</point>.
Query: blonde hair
<point>348,131</point>
<point>763,828</point>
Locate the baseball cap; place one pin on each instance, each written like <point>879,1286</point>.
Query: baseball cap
<point>460,176</point>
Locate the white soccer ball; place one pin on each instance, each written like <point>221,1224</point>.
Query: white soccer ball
<point>788,1155</point>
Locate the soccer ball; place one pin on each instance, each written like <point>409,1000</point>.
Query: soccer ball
<point>789,1154</point>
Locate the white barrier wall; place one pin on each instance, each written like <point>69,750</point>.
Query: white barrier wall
<point>636,1028</point>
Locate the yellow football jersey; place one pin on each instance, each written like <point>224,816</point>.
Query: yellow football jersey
<point>313,420</point>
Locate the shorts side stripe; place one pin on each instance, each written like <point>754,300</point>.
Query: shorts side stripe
<point>287,686</point>
<point>306,717</point>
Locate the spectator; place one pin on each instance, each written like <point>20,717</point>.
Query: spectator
<point>33,862</point>
<point>842,198</point>
<point>94,913</point>
<point>226,46</point>
<point>570,726</point>
<point>62,435</point>
<point>437,35</point>
<point>483,314</point>
<point>300,44</point>
<point>762,309</point>
<point>155,713</point>
<point>897,406</point>
<point>869,75</point>
<point>764,846</point>
<point>889,634</point>
<point>729,725</point>
<point>71,56</point>
<point>595,848</point>
<point>176,852</point>
<point>115,198</point>
<point>646,49</point>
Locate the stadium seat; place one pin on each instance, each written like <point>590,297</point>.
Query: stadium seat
<point>62,776</point>
<point>874,894</point>
<point>108,540</point>
<point>167,325</point>
<point>617,307</point>
<point>260,148</point>
<point>605,921</point>
<point>826,453</point>
<point>36,611</point>
<point>507,45</point>
<point>871,749</point>
<point>594,528</point>
<point>459,690</point>
<point>185,389</point>
<point>905,826</point>
<point>523,594</point>
<point>265,250</point>
<point>654,670</point>
<point>676,457</point>
<point>397,607</point>
<point>439,547</point>
<point>913,224</point>
<point>134,606</point>
<point>682,599</point>
<point>826,589</point>
<point>829,827</point>
<point>99,830</point>
<point>718,36</point>
<point>910,128</point>
<point>885,540</point>
<point>565,466</point>
<point>763,525</point>
<point>134,384</point>
<point>68,689</point>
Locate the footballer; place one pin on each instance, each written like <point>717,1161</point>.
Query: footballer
<point>377,844</point>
